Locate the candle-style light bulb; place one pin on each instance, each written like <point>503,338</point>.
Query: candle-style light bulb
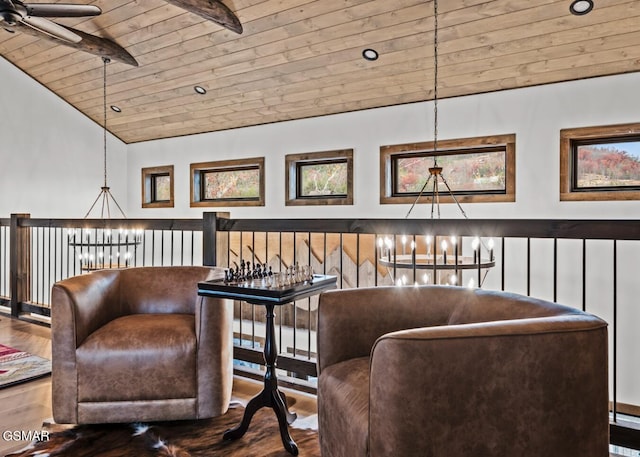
<point>475,244</point>
<point>387,241</point>
<point>490,244</point>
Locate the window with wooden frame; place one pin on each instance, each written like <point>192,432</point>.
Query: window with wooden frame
<point>600,163</point>
<point>479,169</point>
<point>319,178</point>
<point>157,187</point>
<point>228,183</point>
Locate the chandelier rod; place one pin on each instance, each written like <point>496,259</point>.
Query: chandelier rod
<point>435,118</point>
<point>105,192</point>
<point>435,82</point>
<point>105,60</point>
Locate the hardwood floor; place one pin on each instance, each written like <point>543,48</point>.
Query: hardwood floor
<point>25,406</point>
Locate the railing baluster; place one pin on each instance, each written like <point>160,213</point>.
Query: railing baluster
<point>528,266</point>
<point>615,332</point>
<point>584,274</point>
<point>555,269</point>
<point>502,266</point>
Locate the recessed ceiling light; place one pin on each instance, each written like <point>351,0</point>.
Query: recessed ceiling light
<point>116,108</point>
<point>370,54</point>
<point>581,7</point>
<point>200,90</point>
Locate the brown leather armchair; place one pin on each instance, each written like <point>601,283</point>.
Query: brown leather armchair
<point>437,371</point>
<point>139,344</point>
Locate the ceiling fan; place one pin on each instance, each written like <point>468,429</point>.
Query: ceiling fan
<point>32,18</point>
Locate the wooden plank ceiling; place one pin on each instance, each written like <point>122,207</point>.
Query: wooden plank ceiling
<point>302,58</point>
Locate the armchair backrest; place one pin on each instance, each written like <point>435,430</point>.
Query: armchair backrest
<point>161,289</point>
<point>92,300</point>
<point>467,306</point>
<point>351,320</point>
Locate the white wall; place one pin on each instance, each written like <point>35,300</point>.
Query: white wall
<point>51,155</point>
<point>535,115</point>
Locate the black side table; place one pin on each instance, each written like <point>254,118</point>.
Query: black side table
<point>271,396</point>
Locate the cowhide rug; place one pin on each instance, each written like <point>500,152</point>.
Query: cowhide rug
<point>176,439</point>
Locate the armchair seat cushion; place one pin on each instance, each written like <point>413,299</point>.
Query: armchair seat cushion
<point>139,357</point>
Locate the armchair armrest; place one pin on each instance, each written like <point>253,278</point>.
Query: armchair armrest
<point>430,386</point>
<point>70,326</point>
<point>214,333</point>
<point>97,294</point>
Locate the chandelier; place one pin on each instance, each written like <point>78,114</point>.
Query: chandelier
<point>442,260</point>
<point>100,248</point>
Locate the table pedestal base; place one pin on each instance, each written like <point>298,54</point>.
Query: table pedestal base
<point>277,401</point>
<point>270,396</point>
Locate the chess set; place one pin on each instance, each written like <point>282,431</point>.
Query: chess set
<point>259,284</point>
<point>259,277</point>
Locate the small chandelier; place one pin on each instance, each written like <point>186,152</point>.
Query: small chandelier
<point>104,248</point>
<point>443,261</point>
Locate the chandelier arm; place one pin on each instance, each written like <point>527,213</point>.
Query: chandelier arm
<point>94,204</point>
<point>105,202</point>
<point>435,198</point>
<point>454,197</point>
<point>116,202</point>
<point>426,183</point>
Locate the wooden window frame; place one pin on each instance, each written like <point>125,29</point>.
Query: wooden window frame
<point>455,146</point>
<point>568,137</point>
<point>293,162</point>
<point>148,193</point>
<point>197,170</point>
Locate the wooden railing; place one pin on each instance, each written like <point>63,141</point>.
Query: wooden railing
<point>588,264</point>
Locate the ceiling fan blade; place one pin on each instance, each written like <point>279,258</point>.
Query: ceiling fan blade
<point>51,29</point>
<point>212,10</point>
<point>103,47</point>
<point>61,10</point>
<point>92,44</point>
